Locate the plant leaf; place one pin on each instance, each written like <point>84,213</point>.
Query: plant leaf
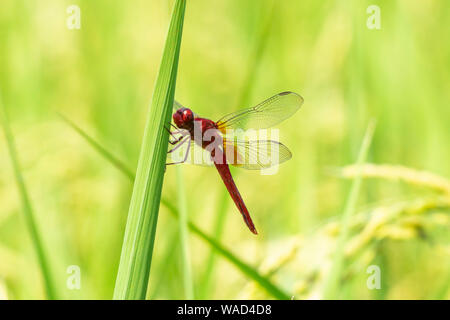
<point>108,155</point>
<point>184,239</point>
<point>332,281</point>
<point>137,248</point>
<point>28,209</point>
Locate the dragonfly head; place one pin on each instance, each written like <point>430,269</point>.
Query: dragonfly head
<point>183,118</point>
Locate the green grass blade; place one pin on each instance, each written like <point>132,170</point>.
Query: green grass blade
<point>27,209</point>
<point>108,155</point>
<point>331,288</point>
<point>137,248</point>
<point>184,239</point>
<point>248,270</point>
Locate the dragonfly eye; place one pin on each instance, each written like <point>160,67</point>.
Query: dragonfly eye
<point>183,118</point>
<point>188,115</point>
<point>178,118</point>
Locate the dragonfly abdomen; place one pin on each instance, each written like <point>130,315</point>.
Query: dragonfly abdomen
<point>225,174</point>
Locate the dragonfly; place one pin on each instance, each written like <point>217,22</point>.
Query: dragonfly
<point>192,133</point>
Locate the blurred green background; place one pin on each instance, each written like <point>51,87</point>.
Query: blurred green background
<point>234,54</point>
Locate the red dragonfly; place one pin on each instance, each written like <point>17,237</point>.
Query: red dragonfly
<point>223,148</point>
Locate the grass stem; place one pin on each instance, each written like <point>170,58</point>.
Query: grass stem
<point>28,209</point>
<point>332,282</point>
<point>184,237</point>
<point>138,243</point>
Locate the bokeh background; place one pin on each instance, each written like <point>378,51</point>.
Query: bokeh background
<point>234,54</point>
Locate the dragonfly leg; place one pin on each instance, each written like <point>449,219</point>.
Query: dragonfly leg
<point>177,130</point>
<point>177,140</point>
<point>173,142</point>
<point>179,145</point>
<point>186,154</point>
<point>173,133</point>
<point>170,132</point>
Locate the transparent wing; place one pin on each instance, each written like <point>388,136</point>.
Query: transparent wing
<point>176,106</point>
<point>246,154</point>
<point>255,154</point>
<point>265,115</point>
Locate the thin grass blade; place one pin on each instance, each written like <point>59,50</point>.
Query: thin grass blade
<point>184,239</point>
<point>97,146</point>
<point>35,235</point>
<point>332,281</point>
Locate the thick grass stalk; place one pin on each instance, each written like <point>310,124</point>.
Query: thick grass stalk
<point>27,209</point>
<point>137,248</point>
<point>331,288</point>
